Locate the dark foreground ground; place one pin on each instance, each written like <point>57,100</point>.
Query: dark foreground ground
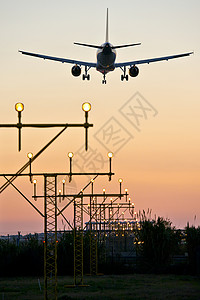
<point>114,287</point>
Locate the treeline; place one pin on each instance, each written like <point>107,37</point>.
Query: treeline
<point>156,242</point>
<point>163,249</point>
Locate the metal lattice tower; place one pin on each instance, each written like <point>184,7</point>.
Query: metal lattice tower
<point>78,241</point>
<point>50,234</point>
<point>93,236</point>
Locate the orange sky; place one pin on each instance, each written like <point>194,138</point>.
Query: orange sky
<point>160,163</point>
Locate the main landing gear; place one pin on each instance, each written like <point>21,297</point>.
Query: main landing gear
<point>124,76</point>
<point>86,75</point>
<point>104,78</point>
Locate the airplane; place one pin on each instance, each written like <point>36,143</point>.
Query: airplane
<point>106,56</point>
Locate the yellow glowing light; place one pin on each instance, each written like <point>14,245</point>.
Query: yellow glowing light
<point>70,154</point>
<point>104,190</point>
<point>59,191</point>
<point>120,180</point>
<point>86,106</point>
<point>19,107</point>
<point>110,154</point>
<point>92,180</point>
<point>34,181</point>
<point>63,181</point>
<point>30,155</point>
<point>126,190</point>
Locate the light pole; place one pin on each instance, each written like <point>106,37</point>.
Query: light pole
<point>110,156</point>
<point>63,185</point>
<point>86,107</point>
<point>34,189</point>
<point>70,155</point>
<point>120,186</point>
<point>19,107</point>
<point>30,156</point>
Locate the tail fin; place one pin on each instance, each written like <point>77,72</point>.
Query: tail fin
<point>107,27</point>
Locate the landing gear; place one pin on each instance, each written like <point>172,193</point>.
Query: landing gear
<point>104,78</point>
<point>124,76</point>
<point>86,75</point>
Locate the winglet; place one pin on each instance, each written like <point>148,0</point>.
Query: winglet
<point>107,27</point>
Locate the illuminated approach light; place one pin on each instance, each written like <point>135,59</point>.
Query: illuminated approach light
<point>19,106</point>
<point>86,106</point>
<point>110,154</point>
<point>70,154</point>
<point>30,155</point>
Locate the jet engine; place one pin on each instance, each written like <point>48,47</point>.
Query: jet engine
<point>76,70</point>
<point>133,71</point>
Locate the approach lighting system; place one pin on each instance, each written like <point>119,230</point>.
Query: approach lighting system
<point>120,180</point>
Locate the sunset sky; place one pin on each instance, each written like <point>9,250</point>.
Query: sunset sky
<point>157,155</point>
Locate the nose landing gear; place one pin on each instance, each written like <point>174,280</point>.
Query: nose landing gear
<point>104,78</point>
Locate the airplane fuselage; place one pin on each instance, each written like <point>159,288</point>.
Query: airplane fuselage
<point>106,58</point>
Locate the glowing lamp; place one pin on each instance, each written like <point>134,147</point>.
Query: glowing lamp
<point>110,154</point>
<point>70,154</point>
<point>86,106</point>
<point>19,107</point>
<point>30,155</point>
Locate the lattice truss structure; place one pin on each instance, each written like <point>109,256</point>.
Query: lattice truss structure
<point>78,241</point>
<point>105,216</point>
<point>50,237</point>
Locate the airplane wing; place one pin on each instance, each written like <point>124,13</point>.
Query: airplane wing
<point>62,60</point>
<point>150,60</point>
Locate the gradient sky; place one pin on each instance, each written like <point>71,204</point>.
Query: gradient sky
<point>160,163</point>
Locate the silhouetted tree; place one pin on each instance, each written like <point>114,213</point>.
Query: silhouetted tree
<point>156,241</point>
<point>193,248</point>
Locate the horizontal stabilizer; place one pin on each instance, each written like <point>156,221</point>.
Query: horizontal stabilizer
<point>124,46</point>
<point>88,45</point>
